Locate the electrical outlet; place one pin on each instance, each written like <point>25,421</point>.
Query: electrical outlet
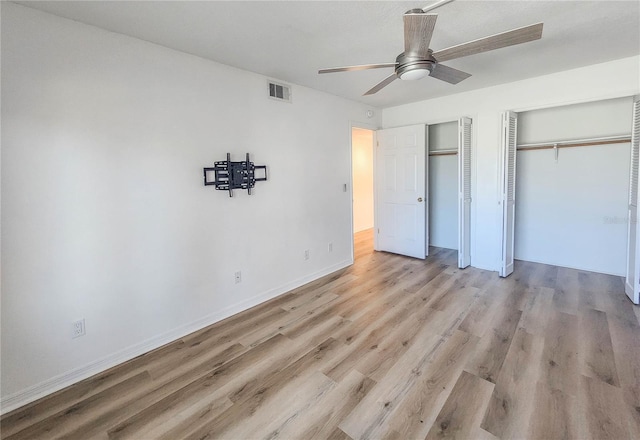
<point>77,328</point>
<point>306,254</point>
<point>238,277</point>
<point>330,247</point>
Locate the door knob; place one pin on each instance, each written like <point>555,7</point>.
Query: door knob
<point>419,199</point>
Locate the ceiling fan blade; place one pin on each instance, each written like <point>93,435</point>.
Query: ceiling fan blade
<point>385,82</point>
<point>360,67</point>
<point>448,74</point>
<point>418,29</point>
<point>497,41</point>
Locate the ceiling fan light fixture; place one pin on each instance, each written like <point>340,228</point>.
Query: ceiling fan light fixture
<point>412,75</point>
<point>414,71</point>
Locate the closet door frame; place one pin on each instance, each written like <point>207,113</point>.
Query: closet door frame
<point>633,245</point>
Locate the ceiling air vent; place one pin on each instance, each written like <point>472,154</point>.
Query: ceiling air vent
<point>280,92</point>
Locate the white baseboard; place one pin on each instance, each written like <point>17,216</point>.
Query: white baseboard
<point>570,266</point>
<point>49,386</point>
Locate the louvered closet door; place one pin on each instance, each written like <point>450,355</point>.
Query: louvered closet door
<point>508,189</point>
<point>464,192</point>
<point>632,281</point>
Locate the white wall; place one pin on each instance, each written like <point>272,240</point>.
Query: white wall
<point>104,213</point>
<point>597,82</point>
<point>443,186</point>
<point>609,117</point>
<point>572,212</point>
<point>443,136</point>
<point>362,163</point>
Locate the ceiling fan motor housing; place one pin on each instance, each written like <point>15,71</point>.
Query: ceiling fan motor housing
<point>409,63</point>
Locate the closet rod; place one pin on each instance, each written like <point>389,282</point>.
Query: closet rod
<point>450,152</point>
<point>575,143</point>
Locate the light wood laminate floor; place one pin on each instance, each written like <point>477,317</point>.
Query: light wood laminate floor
<point>389,348</point>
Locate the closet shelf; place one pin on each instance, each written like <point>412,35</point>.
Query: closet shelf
<point>450,152</point>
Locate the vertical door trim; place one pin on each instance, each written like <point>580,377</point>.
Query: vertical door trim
<point>427,198</point>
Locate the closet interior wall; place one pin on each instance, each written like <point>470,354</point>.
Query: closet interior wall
<point>443,185</point>
<point>571,203</point>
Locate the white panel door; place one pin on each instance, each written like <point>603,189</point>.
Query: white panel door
<point>632,279</point>
<point>464,192</point>
<point>508,189</point>
<point>401,187</point>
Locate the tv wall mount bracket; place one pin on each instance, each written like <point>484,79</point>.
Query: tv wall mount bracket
<point>228,175</point>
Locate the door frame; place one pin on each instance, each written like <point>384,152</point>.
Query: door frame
<point>374,129</point>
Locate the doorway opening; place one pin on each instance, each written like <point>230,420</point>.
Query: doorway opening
<point>362,152</point>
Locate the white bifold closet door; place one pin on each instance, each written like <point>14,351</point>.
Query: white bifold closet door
<point>508,190</point>
<point>632,279</point>
<point>464,192</point>
<point>401,188</point>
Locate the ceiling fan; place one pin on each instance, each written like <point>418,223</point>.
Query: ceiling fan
<point>418,61</point>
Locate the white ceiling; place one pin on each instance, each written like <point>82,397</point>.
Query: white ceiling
<point>291,40</point>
